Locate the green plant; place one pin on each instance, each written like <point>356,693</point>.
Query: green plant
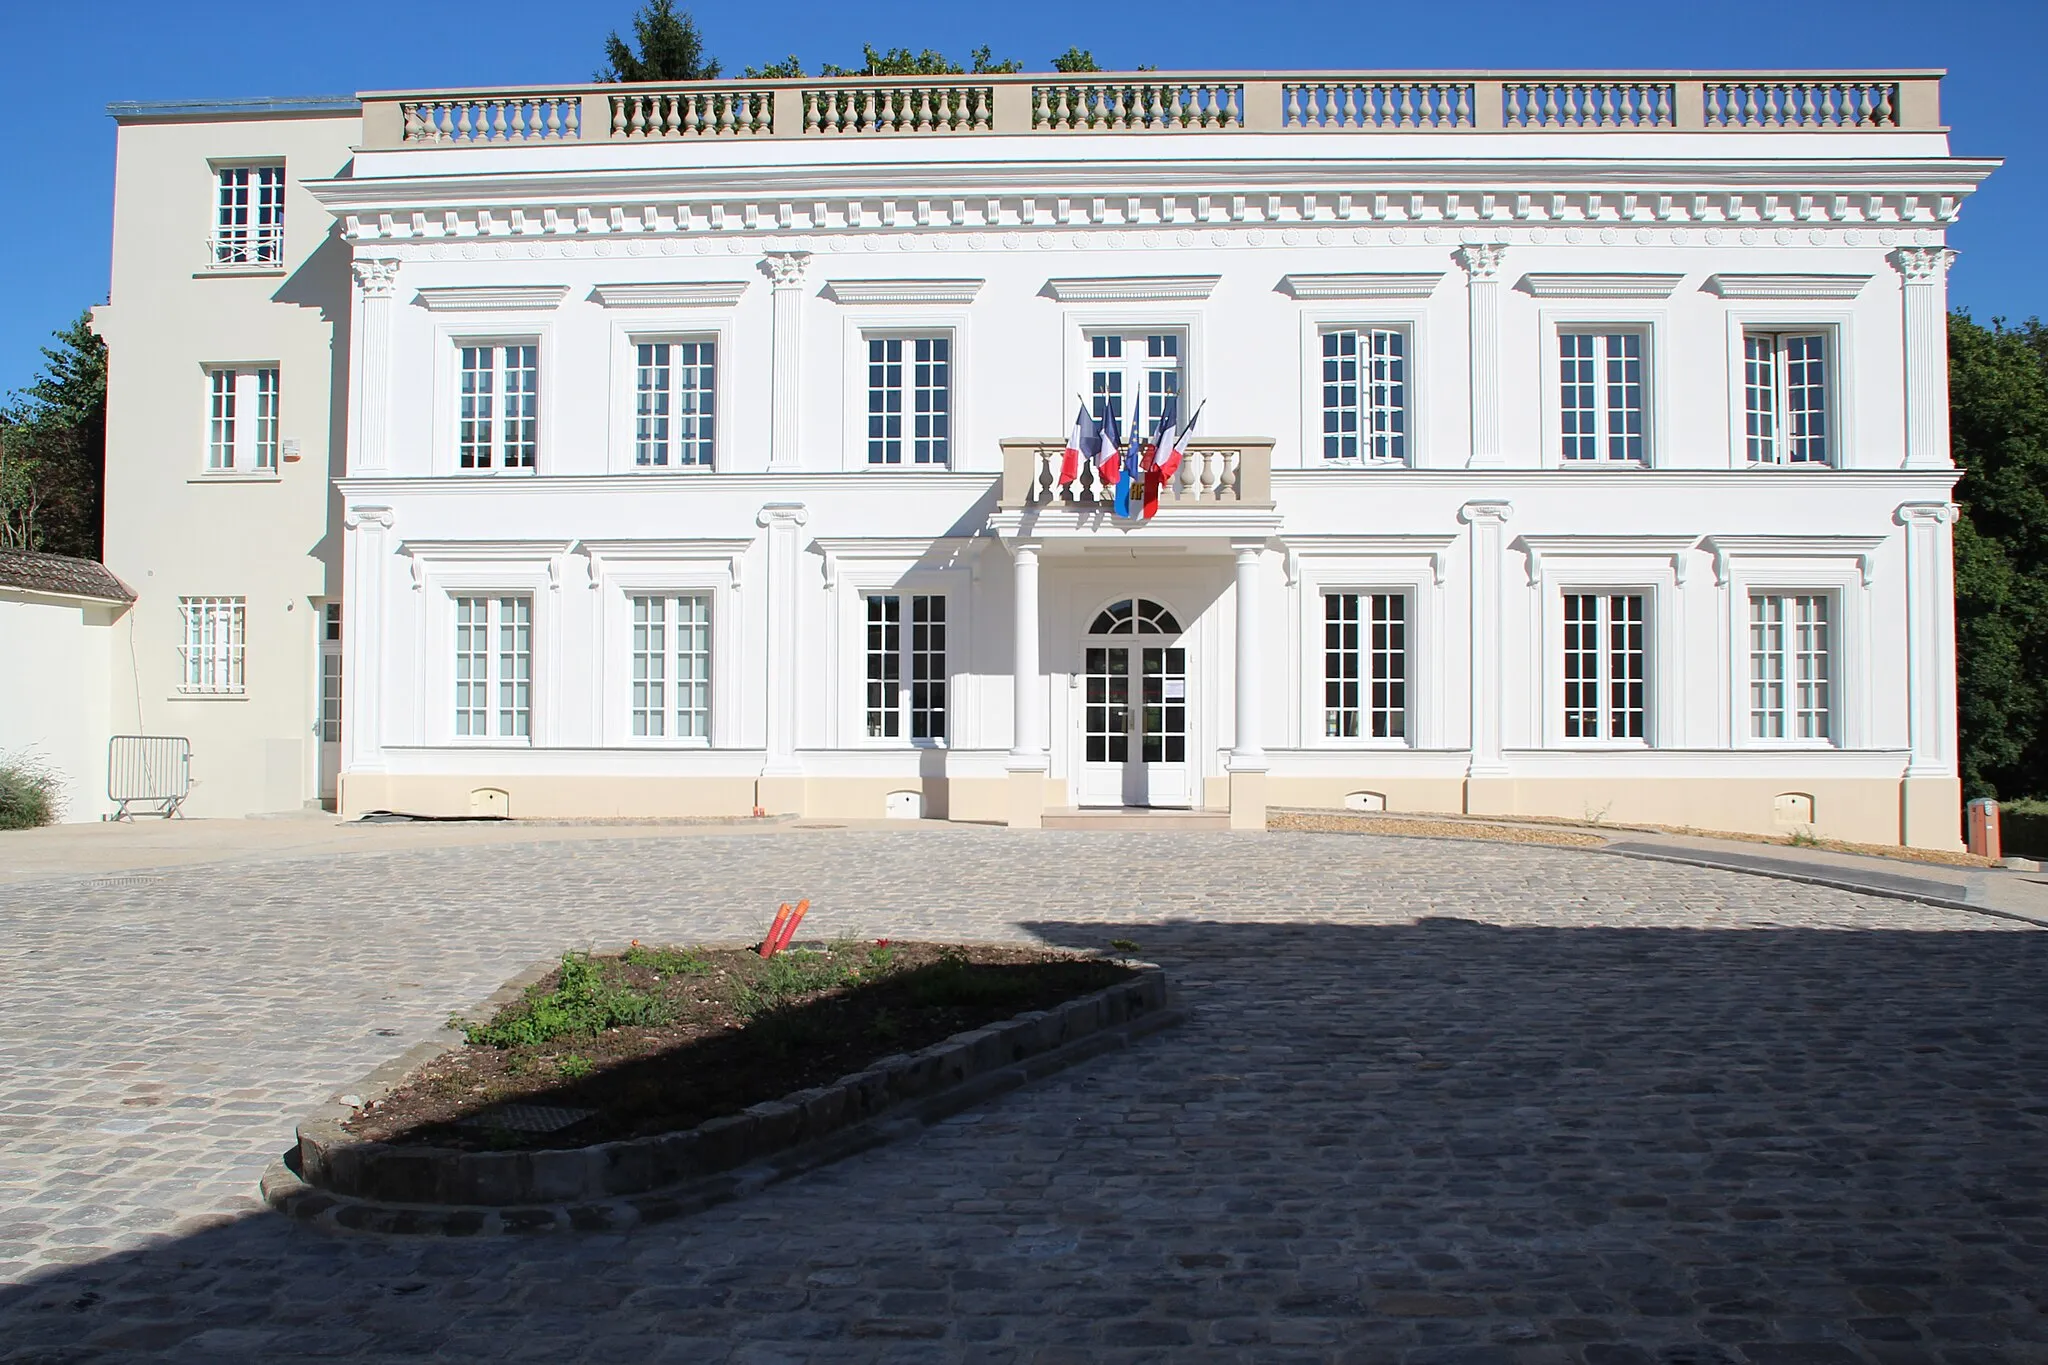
<point>1804,838</point>
<point>583,1002</point>
<point>666,961</point>
<point>1128,945</point>
<point>789,975</point>
<point>953,980</point>
<point>28,794</point>
<point>573,1067</point>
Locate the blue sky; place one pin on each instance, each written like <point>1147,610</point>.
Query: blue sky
<point>61,64</point>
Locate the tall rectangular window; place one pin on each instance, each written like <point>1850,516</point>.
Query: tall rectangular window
<point>1601,396</point>
<point>1785,397</point>
<point>330,674</point>
<point>1365,394</point>
<point>892,656</point>
<point>673,399</point>
<point>242,419</point>
<point>494,667</point>
<point>910,400</point>
<point>248,224</point>
<point>672,666</point>
<point>1133,377</point>
<point>1605,666</point>
<point>1365,665</point>
<point>210,658</point>
<point>1790,694</point>
<point>498,416</point>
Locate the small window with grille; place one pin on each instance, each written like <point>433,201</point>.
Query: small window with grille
<point>211,656</point>
<point>248,222</point>
<point>242,411</point>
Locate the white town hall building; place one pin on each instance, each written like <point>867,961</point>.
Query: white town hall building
<point>1571,445</point>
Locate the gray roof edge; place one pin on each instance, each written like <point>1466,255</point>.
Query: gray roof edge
<point>142,110</point>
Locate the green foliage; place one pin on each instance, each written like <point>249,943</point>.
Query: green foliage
<point>583,1002</point>
<point>573,1067</point>
<point>28,794</point>
<point>788,69</point>
<point>671,48</point>
<point>1998,395</point>
<point>1075,60</point>
<point>788,976</point>
<point>666,961</point>
<point>953,981</point>
<point>53,439</point>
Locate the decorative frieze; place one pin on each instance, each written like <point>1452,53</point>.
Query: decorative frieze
<point>903,291</point>
<point>1132,288</point>
<point>671,294</point>
<point>493,298</point>
<point>1605,285</point>
<point>1794,286</point>
<point>1381,284</point>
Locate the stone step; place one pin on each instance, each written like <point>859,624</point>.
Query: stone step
<point>1136,818</point>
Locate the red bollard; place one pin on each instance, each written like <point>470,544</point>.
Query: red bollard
<point>1982,827</point>
<point>789,929</point>
<point>769,944</point>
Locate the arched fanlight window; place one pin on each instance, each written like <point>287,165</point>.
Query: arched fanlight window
<point>1139,616</point>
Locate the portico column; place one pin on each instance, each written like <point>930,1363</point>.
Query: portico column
<point>785,388</point>
<point>1247,754</point>
<point>370,431</point>
<point>1925,272</point>
<point>1027,764</point>
<point>1487,788</point>
<point>1482,262</point>
<point>364,569</point>
<point>1931,797</point>
<point>781,788</point>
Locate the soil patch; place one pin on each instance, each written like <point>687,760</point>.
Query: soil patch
<point>657,1040</point>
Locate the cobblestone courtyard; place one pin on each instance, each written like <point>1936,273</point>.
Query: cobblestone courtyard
<point>1435,1102</point>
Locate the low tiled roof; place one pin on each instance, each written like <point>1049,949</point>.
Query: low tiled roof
<point>62,575</point>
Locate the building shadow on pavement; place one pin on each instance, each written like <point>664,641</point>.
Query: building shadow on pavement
<point>1421,1143</point>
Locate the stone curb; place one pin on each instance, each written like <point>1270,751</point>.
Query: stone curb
<point>1820,879</point>
<point>338,1180</point>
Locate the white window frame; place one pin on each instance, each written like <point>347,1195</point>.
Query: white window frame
<point>1841,567</point>
<point>906,652</point>
<point>497,732</point>
<point>1792,317</point>
<point>1412,566</point>
<point>655,328</point>
<point>1084,322</point>
<point>251,407</point>
<point>1603,596</point>
<point>1369,654</point>
<point>655,718</point>
<point>213,646</point>
<point>1656,567</point>
<point>1361,317</point>
<point>520,329</point>
<point>908,336</point>
<point>253,247</point>
<point>332,693</point>
<point>1369,441</point>
<point>1654,327</point>
<point>446,570</point>
<point>1777,447</point>
<point>858,326</point>
<point>1788,653</point>
<point>1140,367</point>
<point>623,570</point>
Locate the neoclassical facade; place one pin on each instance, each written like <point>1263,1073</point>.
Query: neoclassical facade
<point>1567,446</point>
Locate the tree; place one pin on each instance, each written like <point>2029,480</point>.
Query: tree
<point>1075,60</point>
<point>671,48</point>
<point>1998,397</point>
<point>901,61</point>
<point>53,443</point>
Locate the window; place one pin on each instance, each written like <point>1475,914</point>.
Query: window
<point>672,666</point>
<point>1601,395</point>
<point>248,225</point>
<point>494,667</point>
<point>500,406</point>
<point>924,701</point>
<point>1789,693</point>
<point>1603,666</point>
<point>1365,394</point>
<point>910,382</point>
<point>673,387</point>
<point>1785,397</point>
<point>330,674</point>
<point>212,652</point>
<point>241,425</point>
<point>1133,375</point>
<point>1365,665</point>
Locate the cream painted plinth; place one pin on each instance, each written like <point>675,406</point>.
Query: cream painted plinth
<point>1928,812</point>
<point>1027,799</point>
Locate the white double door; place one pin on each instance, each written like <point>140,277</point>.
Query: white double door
<point>1134,725</point>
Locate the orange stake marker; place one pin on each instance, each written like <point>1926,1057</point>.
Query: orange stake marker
<point>769,945</point>
<point>789,929</point>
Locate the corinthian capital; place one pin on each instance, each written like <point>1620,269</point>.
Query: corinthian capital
<point>376,276</point>
<point>1482,260</point>
<point>785,269</point>
<point>1923,264</point>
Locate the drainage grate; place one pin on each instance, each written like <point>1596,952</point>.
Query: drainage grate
<point>118,883</point>
<point>526,1118</point>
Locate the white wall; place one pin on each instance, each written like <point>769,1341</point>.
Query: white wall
<point>55,656</point>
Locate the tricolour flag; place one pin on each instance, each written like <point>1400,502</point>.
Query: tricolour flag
<point>1080,444</point>
<point>1107,455</point>
<point>1155,450</point>
<point>1127,470</point>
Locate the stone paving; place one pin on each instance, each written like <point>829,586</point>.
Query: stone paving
<point>1436,1102</point>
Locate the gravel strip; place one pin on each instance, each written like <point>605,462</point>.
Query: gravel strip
<point>1333,823</point>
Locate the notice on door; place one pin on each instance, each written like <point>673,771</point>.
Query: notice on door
<point>1176,689</point>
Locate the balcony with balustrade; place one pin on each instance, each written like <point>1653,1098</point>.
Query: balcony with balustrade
<point>1850,103</point>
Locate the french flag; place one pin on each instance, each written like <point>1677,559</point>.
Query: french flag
<point>1169,447</point>
<point>1106,455</point>
<point>1081,444</point>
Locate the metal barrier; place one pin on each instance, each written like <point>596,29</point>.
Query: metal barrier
<point>152,771</point>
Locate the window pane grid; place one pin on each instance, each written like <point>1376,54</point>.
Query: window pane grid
<point>498,415</point>
<point>928,667</point>
<point>220,444</point>
<point>249,216</point>
<point>330,698</point>
<point>1790,667</point>
<point>913,373</point>
<point>515,666</point>
<point>884,665</point>
<point>1600,395</point>
<point>1605,666</point>
<point>1365,642</point>
<point>212,654</point>
<point>1365,395</point>
<point>673,395</point>
<point>1785,397</point>
<point>266,419</point>
<point>494,667</point>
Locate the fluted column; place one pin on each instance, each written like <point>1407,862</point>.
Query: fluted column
<point>1925,290</point>
<point>1247,754</point>
<point>1482,262</point>
<point>1027,763</point>
<point>786,270</point>
<point>1486,786</point>
<point>364,568</point>
<point>781,785</point>
<point>1931,799</point>
<point>369,449</point>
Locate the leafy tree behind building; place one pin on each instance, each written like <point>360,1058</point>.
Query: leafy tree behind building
<point>53,443</point>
